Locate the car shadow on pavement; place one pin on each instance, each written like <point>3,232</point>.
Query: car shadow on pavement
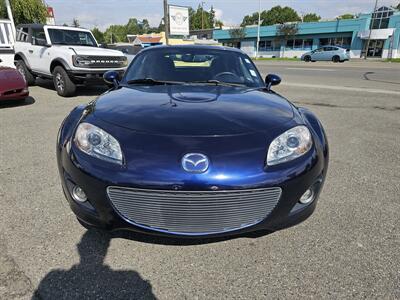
<point>91,278</point>
<point>81,90</point>
<point>15,103</point>
<point>170,241</point>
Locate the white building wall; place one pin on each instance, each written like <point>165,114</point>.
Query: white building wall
<point>248,47</point>
<point>289,53</point>
<point>269,54</point>
<point>355,53</point>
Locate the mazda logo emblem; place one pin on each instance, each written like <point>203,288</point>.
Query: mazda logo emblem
<point>195,163</point>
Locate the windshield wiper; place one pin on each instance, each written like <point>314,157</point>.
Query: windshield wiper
<point>217,82</point>
<point>151,81</point>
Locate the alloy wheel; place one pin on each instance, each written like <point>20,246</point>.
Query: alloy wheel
<point>60,82</point>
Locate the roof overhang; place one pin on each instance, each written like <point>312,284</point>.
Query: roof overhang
<point>376,34</point>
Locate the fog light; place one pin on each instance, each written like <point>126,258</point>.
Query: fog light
<point>307,197</point>
<point>78,194</point>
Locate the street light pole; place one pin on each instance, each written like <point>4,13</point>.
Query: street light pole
<point>370,30</point>
<point>258,27</point>
<point>166,22</point>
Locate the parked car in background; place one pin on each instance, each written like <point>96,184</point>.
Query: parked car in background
<point>327,53</point>
<point>12,85</point>
<point>68,55</point>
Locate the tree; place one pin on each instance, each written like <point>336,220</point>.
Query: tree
<point>99,35</point>
<point>75,22</point>
<point>161,26</point>
<point>116,34</point>
<point>218,24</point>
<point>311,17</point>
<point>25,11</point>
<point>201,18</point>
<point>237,34</point>
<point>346,17</point>
<point>276,15</point>
<point>286,31</point>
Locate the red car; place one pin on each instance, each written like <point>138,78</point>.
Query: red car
<point>12,85</point>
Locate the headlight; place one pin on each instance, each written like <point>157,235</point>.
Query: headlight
<point>124,61</point>
<point>289,145</point>
<point>98,143</point>
<point>81,61</point>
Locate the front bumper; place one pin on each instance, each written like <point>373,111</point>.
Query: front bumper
<point>14,96</point>
<point>99,211</point>
<point>90,76</point>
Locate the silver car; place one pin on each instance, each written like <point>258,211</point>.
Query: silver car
<point>331,53</point>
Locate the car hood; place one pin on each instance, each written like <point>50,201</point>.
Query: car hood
<point>193,110</point>
<point>93,51</point>
<point>10,79</point>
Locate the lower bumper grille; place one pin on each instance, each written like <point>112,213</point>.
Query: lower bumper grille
<point>194,212</point>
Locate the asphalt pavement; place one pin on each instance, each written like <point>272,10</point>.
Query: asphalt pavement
<point>349,248</point>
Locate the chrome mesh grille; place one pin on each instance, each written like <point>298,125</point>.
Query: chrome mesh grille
<point>106,61</point>
<point>194,212</point>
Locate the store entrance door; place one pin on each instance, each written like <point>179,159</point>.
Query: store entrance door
<point>375,48</point>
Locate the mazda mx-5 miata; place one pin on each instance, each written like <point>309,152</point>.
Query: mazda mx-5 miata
<point>191,142</point>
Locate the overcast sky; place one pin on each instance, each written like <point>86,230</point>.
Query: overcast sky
<point>102,13</point>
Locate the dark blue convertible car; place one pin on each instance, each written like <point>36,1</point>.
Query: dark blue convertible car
<point>191,142</point>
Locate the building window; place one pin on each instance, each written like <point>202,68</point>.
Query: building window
<point>265,46</point>
<point>289,44</point>
<point>380,18</point>
<point>232,44</point>
<point>324,42</point>
<point>308,44</point>
<point>340,41</point>
<point>298,44</point>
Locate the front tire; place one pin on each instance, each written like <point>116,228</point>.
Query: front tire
<point>307,58</point>
<point>24,71</point>
<point>62,83</point>
<point>336,59</point>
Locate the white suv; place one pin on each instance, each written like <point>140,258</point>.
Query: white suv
<point>68,55</point>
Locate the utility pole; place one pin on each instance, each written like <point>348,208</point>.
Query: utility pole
<point>370,30</point>
<point>258,27</point>
<point>202,15</point>
<point>10,16</point>
<point>166,21</point>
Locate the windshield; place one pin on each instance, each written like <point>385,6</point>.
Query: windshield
<point>193,65</point>
<point>71,37</point>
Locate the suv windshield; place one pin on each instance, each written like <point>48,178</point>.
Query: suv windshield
<point>193,65</point>
<point>71,37</point>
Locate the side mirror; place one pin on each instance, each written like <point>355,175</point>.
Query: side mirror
<point>111,77</point>
<point>47,45</point>
<point>272,79</point>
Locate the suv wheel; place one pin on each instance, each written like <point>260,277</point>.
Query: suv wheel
<point>336,59</point>
<point>63,84</point>
<point>24,71</point>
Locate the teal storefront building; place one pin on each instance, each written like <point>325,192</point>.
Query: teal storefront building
<point>353,34</point>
